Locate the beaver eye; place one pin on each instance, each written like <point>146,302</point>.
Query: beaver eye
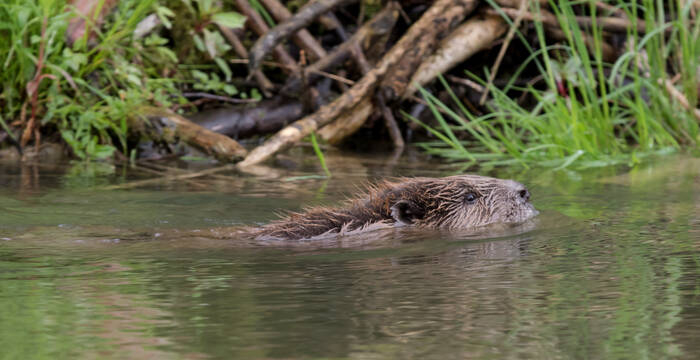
<point>470,198</point>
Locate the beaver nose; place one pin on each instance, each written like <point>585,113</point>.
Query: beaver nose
<point>524,194</point>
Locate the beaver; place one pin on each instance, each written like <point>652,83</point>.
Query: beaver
<point>454,202</point>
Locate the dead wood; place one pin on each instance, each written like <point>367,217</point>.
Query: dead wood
<point>474,35</point>
<point>265,84</point>
<point>270,39</point>
<point>238,122</point>
<point>331,22</point>
<point>509,37</point>
<point>608,51</point>
<point>171,128</point>
<point>373,32</point>
<point>347,123</point>
<point>679,96</point>
<point>418,41</point>
<point>389,120</point>
<point>256,22</point>
<point>516,3</point>
<point>302,37</point>
<point>398,77</point>
<point>612,24</point>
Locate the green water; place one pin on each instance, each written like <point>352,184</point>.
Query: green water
<point>610,270</point>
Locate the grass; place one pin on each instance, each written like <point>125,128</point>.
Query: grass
<point>589,113</point>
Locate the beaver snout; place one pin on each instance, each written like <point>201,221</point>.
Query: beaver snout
<point>524,194</point>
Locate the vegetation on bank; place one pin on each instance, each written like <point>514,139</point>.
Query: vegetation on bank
<point>583,110</point>
<point>86,91</point>
<point>566,102</point>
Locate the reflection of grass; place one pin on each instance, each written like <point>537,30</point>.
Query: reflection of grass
<point>591,113</point>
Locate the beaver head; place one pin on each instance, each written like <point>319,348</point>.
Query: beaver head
<point>459,202</point>
<point>455,202</point>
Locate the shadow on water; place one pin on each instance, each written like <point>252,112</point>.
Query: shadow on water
<point>609,269</point>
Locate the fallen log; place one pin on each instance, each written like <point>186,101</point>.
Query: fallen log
<point>238,122</point>
<point>165,126</point>
<point>347,123</point>
<point>435,23</point>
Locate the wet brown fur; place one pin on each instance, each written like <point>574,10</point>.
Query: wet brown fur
<point>423,202</point>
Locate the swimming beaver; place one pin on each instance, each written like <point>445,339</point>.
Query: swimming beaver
<point>455,202</point>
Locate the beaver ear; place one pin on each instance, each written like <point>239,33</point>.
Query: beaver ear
<point>406,212</point>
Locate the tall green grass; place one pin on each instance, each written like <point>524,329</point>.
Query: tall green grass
<point>607,114</point>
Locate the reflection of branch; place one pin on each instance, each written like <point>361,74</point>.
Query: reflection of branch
<point>140,183</point>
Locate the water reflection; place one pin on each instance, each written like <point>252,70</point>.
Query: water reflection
<point>610,269</point>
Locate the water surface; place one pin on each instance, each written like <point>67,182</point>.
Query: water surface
<point>611,269</point>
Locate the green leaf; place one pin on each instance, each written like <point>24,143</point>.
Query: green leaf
<point>200,75</point>
<point>198,43</point>
<point>103,151</point>
<point>163,14</point>
<point>134,79</point>
<point>74,60</point>
<point>224,67</point>
<point>231,19</point>
<point>210,43</point>
<point>230,89</point>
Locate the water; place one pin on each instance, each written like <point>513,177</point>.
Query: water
<point>610,269</point>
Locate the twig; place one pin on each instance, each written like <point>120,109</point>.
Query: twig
<point>467,82</point>
<point>302,37</point>
<point>679,96</point>
<point>264,83</point>
<point>614,10</point>
<point>337,78</point>
<point>270,39</point>
<point>504,47</point>
<point>389,120</point>
<point>256,22</point>
<point>606,23</point>
<point>219,98</point>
